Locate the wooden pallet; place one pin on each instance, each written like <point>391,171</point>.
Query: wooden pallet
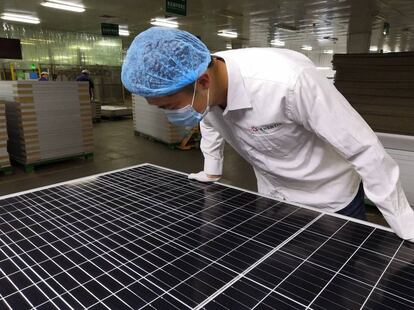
<point>116,118</point>
<point>30,167</point>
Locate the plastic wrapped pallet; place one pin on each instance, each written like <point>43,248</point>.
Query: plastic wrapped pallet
<point>47,120</point>
<point>4,155</point>
<point>111,111</point>
<point>151,121</point>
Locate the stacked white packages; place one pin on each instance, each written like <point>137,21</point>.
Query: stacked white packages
<point>47,120</point>
<point>4,155</point>
<point>112,111</point>
<point>151,121</point>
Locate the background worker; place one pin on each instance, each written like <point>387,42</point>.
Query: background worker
<point>85,77</point>
<point>44,76</point>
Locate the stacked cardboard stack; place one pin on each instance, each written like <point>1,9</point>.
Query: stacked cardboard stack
<point>47,120</point>
<point>380,87</point>
<point>4,155</point>
<point>151,121</point>
<point>96,110</point>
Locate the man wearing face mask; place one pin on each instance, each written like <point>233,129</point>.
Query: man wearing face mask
<point>187,116</point>
<point>305,142</point>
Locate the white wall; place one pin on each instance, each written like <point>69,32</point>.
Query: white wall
<point>401,149</point>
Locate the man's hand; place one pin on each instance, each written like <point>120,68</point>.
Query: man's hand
<point>204,177</point>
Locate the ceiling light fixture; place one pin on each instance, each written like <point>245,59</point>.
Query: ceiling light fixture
<point>164,22</point>
<point>29,19</point>
<point>227,34</point>
<point>64,5</point>
<point>306,47</point>
<point>123,31</point>
<point>229,46</point>
<point>328,51</point>
<point>276,42</point>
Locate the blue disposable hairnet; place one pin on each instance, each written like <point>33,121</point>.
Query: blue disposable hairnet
<point>161,61</point>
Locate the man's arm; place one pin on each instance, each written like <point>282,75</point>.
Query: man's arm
<point>212,146</point>
<point>319,107</point>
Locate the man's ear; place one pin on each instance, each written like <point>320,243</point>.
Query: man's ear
<point>204,81</point>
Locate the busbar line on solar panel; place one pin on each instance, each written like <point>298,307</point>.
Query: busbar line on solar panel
<point>146,237</point>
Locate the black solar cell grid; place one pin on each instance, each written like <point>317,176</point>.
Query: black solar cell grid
<point>148,238</point>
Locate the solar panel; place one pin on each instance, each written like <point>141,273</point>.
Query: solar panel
<point>149,238</point>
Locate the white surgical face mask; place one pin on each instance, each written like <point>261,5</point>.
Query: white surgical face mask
<point>188,116</point>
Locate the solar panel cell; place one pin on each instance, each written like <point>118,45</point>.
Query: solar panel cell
<point>342,293</point>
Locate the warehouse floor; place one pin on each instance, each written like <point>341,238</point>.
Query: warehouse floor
<point>116,147</point>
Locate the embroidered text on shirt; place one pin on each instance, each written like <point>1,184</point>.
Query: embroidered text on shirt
<point>265,128</point>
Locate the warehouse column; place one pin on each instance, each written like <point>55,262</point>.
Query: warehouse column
<point>360,26</point>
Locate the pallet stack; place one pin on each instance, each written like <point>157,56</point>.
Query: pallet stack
<point>47,121</point>
<point>4,155</point>
<point>96,111</point>
<point>380,87</point>
<point>151,122</point>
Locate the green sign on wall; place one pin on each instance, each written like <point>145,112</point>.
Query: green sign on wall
<point>178,7</point>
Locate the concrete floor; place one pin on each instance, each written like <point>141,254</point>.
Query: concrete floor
<point>116,146</point>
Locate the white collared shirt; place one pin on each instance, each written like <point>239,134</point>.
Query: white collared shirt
<point>304,140</point>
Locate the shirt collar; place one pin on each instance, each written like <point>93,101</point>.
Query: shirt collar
<point>237,96</point>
